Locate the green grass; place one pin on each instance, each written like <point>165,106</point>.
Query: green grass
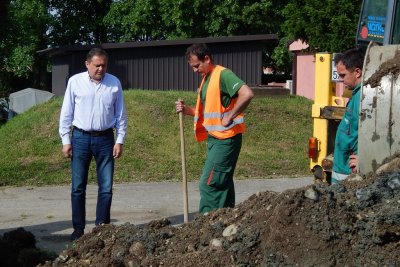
<point>275,144</point>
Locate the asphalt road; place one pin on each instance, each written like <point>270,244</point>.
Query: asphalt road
<point>46,211</point>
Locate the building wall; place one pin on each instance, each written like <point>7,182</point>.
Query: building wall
<point>305,75</point>
<point>60,70</point>
<point>305,78</point>
<point>304,69</point>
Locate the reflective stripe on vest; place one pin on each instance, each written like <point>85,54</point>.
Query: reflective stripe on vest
<point>208,119</point>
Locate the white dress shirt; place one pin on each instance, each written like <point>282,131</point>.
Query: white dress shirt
<point>93,106</point>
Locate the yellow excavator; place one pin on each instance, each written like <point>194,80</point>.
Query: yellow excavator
<point>379,125</point>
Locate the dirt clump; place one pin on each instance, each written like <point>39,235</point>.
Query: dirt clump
<point>390,66</point>
<point>18,248</point>
<point>356,223</point>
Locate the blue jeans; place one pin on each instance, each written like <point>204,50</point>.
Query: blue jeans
<point>84,148</point>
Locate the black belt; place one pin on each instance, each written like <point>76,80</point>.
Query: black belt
<point>94,133</point>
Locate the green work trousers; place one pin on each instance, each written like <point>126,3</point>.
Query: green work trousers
<point>216,185</point>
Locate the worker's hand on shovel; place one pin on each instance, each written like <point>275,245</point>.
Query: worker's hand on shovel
<point>180,106</point>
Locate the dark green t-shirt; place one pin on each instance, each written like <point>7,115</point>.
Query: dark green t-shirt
<point>230,85</point>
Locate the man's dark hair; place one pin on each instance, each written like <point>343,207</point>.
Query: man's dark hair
<point>199,50</point>
<point>96,51</point>
<point>351,59</point>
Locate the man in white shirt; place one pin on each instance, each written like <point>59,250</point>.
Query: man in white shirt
<point>93,106</point>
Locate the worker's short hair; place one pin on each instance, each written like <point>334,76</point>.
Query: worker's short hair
<point>351,59</point>
<point>199,50</point>
<point>96,51</point>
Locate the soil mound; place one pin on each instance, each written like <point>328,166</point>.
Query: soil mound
<point>356,223</point>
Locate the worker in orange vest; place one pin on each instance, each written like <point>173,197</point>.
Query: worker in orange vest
<point>218,118</point>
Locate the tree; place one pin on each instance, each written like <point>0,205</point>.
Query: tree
<point>329,25</point>
<point>24,34</point>
<point>3,18</point>
<point>240,17</point>
<point>186,19</point>
<point>78,22</point>
<point>135,20</point>
<point>3,33</point>
<point>132,20</point>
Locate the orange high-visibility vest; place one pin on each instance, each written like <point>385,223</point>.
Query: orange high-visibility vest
<point>208,120</point>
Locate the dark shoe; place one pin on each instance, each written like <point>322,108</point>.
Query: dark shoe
<point>76,234</point>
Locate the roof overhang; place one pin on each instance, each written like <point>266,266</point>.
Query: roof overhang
<point>52,51</point>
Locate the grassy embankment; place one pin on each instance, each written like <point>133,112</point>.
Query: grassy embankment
<point>275,144</point>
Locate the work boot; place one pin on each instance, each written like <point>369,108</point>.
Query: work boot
<point>76,234</point>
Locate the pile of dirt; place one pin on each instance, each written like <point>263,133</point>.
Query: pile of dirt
<point>356,223</point>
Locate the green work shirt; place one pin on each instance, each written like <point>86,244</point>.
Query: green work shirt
<point>346,141</point>
<point>229,84</point>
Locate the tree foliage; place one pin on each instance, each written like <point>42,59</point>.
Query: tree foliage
<point>138,20</point>
<point>241,17</point>
<point>24,33</point>
<point>329,25</point>
<point>78,22</point>
<point>185,19</point>
<point>4,22</point>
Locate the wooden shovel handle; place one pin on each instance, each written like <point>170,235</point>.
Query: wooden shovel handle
<point>184,180</point>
